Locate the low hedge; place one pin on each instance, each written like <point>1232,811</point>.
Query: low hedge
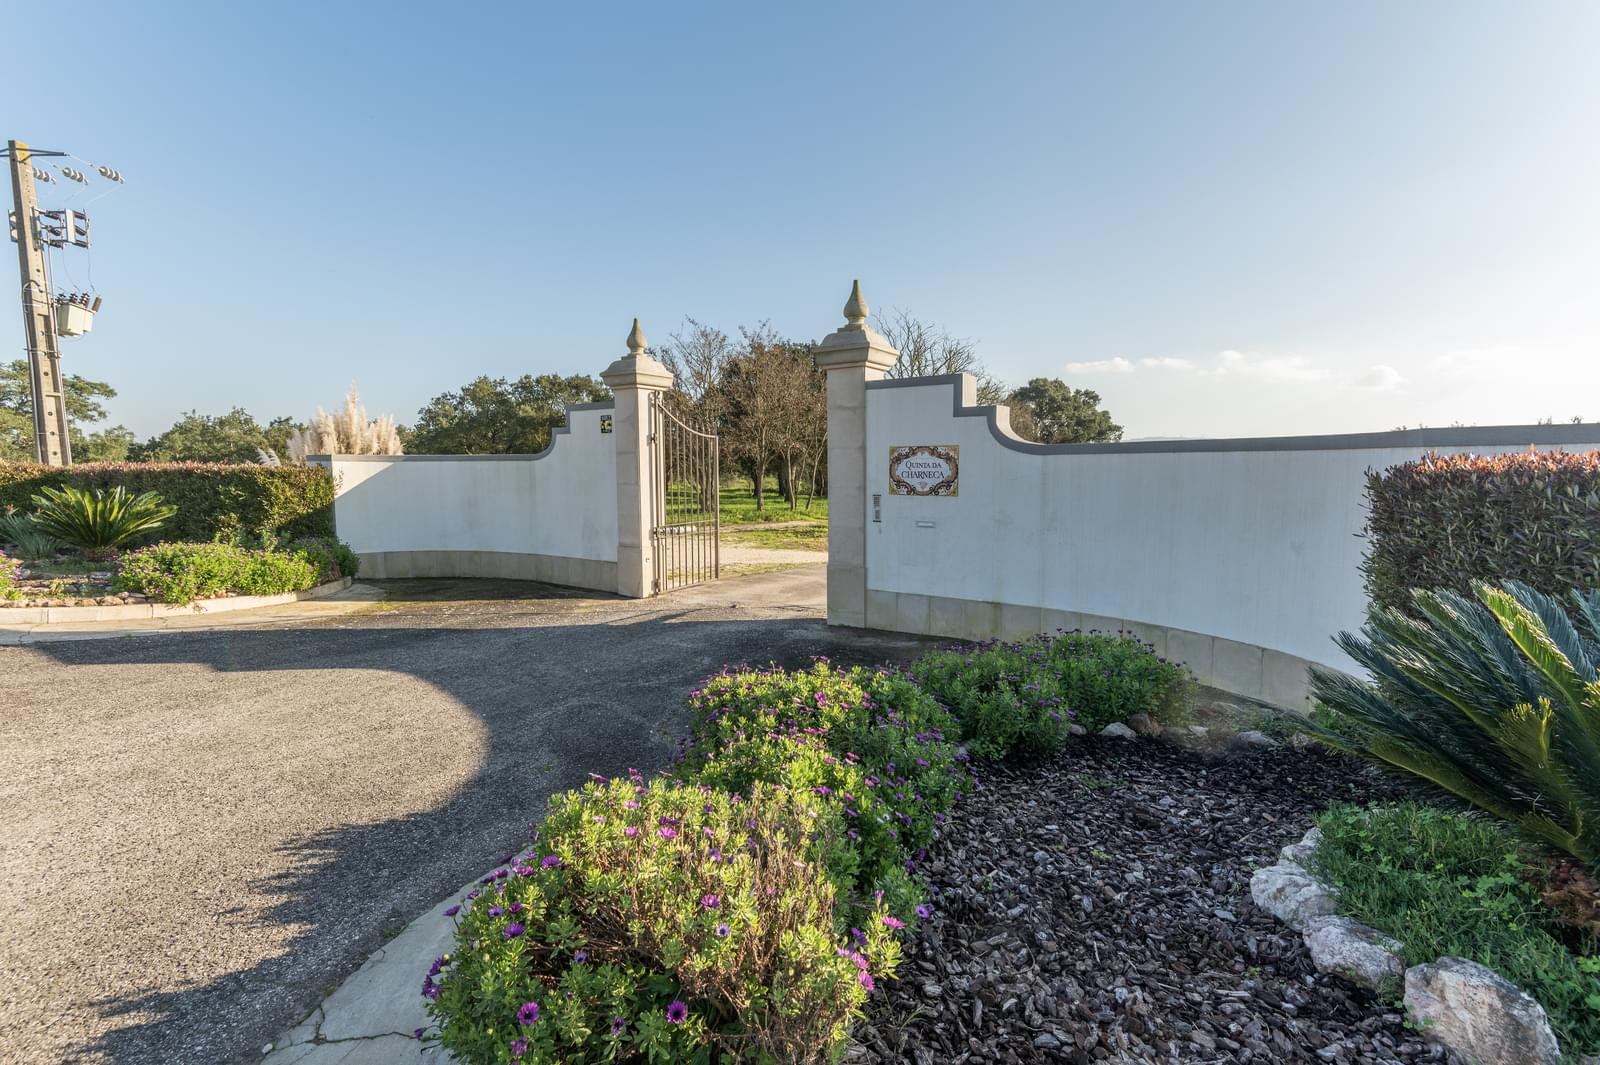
<point>214,501</point>
<point>1445,521</point>
<point>182,573</point>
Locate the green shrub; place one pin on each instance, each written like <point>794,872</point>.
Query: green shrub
<point>333,558</point>
<point>1023,697</point>
<point>182,573</point>
<point>26,536</point>
<point>214,501</point>
<point>1496,701</point>
<point>8,576</point>
<point>868,742</point>
<point>97,521</point>
<point>1445,521</point>
<point>667,923</point>
<point>1445,884</point>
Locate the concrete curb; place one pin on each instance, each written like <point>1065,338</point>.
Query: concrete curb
<point>11,617</point>
<point>373,1016</point>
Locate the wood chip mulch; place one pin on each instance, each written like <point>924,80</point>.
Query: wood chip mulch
<point>1096,907</point>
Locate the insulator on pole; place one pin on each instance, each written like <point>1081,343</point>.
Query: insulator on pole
<point>74,175</point>
<point>110,174</point>
<point>43,175</point>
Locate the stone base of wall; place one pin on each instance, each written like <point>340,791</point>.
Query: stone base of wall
<point>589,573</point>
<point>1244,669</point>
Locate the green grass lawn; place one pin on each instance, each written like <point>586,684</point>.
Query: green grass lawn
<point>801,537</point>
<point>739,505</point>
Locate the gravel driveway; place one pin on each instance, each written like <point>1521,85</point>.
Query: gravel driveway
<point>206,831</point>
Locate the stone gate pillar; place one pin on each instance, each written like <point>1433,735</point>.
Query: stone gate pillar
<point>634,379</point>
<point>852,355</point>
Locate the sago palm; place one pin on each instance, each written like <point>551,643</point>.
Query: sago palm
<point>98,521</point>
<point>1496,700</point>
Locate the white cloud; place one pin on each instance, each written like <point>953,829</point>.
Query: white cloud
<point>1381,378</point>
<point>1267,367</point>
<point>1116,365</point>
<point>1166,363</point>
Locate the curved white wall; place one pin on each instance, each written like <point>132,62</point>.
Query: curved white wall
<point>551,516</point>
<point>1240,556</point>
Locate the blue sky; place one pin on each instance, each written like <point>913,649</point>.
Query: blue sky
<point>1228,218</point>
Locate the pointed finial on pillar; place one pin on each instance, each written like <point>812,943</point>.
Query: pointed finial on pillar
<point>636,340</point>
<point>855,309</point>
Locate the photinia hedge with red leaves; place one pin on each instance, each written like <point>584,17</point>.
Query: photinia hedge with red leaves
<point>214,500</point>
<point>1445,521</point>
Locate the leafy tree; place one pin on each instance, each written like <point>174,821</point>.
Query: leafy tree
<point>1050,411</point>
<point>195,437</point>
<point>493,416</point>
<point>83,408</point>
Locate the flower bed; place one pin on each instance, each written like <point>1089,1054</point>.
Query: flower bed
<point>182,573</point>
<point>742,909</point>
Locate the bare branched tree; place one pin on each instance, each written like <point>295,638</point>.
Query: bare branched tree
<point>927,350</point>
<point>698,356</point>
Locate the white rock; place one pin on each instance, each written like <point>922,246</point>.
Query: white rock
<point>1362,955</point>
<point>1300,853</point>
<point>1290,894</point>
<point>1476,1013</point>
<point>1077,730</point>
<point>1254,738</point>
<point>1117,730</point>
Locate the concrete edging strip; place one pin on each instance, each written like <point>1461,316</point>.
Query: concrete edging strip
<point>35,616</point>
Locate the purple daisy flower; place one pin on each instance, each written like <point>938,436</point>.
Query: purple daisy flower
<point>519,1047</point>
<point>550,862</point>
<point>618,1025</point>
<point>528,1014</point>
<point>497,911</point>
<point>630,831</point>
<point>512,931</point>
<point>893,922</point>
<point>864,978</point>
<point>579,957</point>
<point>723,930</point>
<point>667,833</point>
<point>677,1012</point>
<point>451,911</point>
<point>710,902</point>
<point>924,913</point>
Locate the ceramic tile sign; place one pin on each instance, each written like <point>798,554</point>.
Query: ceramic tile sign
<point>924,470</point>
<point>605,423</point>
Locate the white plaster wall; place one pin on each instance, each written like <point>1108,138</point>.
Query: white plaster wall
<point>1261,547</point>
<point>562,502</point>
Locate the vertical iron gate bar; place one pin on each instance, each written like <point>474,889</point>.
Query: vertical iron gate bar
<point>686,529</point>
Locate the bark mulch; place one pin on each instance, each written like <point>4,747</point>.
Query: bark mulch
<point>1096,907</point>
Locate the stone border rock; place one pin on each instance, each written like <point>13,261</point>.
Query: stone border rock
<point>1464,1007</point>
<point>48,615</point>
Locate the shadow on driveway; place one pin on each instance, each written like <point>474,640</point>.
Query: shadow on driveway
<point>251,813</point>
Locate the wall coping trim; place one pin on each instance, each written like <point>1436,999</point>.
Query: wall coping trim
<point>1471,436</point>
<point>561,430</point>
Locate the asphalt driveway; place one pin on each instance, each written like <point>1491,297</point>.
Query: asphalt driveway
<point>205,831</point>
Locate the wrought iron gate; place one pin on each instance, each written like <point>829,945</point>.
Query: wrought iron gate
<point>686,526</point>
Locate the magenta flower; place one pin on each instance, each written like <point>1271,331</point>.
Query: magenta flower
<point>667,833</point>
<point>710,902</point>
<point>864,978</point>
<point>893,922</point>
<point>630,831</point>
<point>677,1012</point>
<point>519,1047</point>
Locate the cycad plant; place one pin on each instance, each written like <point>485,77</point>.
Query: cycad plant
<point>97,521</point>
<point>1496,700</point>
<point>27,537</point>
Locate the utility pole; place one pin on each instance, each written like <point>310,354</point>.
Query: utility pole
<point>50,440</point>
